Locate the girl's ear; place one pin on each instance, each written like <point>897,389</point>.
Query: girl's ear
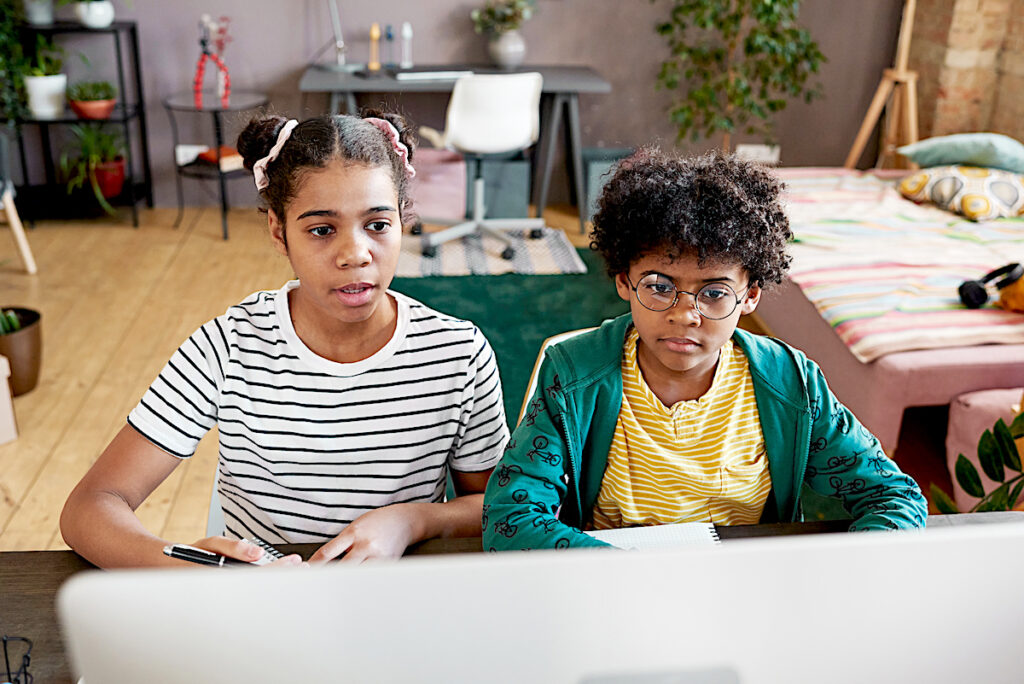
<point>751,300</point>
<point>622,286</point>
<point>276,226</point>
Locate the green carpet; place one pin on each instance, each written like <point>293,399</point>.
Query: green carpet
<point>518,312</point>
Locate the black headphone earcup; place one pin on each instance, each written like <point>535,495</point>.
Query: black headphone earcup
<point>972,294</point>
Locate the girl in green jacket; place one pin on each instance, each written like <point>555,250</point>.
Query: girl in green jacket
<point>670,413</point>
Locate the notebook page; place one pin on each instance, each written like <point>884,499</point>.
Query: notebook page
<point>659,536</point>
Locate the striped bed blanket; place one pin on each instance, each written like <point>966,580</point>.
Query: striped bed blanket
<point>884,272</point>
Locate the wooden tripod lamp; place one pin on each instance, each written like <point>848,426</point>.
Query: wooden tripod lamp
<point>896,92</point>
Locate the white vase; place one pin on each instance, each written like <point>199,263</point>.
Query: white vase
<point>39,12</point>
<point>507,49</point>
<point>95,14</point>
<point>46,95</point>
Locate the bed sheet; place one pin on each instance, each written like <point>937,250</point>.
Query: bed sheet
<point>883,271</point>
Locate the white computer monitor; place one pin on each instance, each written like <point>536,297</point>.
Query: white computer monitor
<point>940,606</point>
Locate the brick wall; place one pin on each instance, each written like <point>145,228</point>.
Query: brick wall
<point>1008,107</point>
<point>969,55</point>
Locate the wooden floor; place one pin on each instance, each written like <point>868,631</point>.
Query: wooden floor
<point>116,302</point>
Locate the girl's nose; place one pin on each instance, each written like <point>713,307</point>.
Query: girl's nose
<point>353,252</point>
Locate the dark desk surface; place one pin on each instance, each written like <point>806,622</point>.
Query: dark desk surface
<point>557,79</point>
<point>29,580</point>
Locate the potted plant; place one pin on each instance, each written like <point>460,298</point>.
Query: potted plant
<point>737,62</point>
<point>501,20</point>
<point>1000,460</point>
<point>92,13</point>
<point>98,161</point>
<point>13,64</point>
<point>92,99</point>
<point>21,341</point>
<point>39,12</point>
<point>45,85</point>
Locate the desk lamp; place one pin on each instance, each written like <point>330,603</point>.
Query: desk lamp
<point>339,63</point>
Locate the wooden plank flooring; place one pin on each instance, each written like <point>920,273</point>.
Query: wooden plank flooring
<point>116,303</point>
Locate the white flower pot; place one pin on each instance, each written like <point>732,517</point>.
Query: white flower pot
<point>99,14</point>
<point>39,12</point>
<point>507,49</point>
<point>46,95</point>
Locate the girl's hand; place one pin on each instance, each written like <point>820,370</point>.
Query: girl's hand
<point>381,533</point>
<point>242,550</point>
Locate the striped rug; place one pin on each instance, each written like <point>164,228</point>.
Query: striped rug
<point>551,253</point>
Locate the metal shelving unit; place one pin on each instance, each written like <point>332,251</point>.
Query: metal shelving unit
<point>37,200</point>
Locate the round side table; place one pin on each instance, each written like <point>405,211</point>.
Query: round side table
<point>240,100</point>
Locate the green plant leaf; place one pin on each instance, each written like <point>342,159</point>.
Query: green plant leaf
<point>996,501</point>
<point>1007,447</point>
<point>1015,494</point>
<point>942,501</point>
<point>1017,426</point>
<point>990,456</point>
<point>968,478</point>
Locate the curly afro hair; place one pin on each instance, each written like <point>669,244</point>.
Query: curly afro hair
<point>723,209</point>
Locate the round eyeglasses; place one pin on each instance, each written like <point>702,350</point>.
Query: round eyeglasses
<point>714,301</point>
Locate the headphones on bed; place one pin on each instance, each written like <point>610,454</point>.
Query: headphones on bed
<point>973,293</point>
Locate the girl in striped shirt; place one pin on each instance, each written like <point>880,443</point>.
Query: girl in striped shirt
<point>341,406</point>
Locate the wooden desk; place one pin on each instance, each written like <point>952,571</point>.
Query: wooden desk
<point>559,100</point>
<point>29,580</point>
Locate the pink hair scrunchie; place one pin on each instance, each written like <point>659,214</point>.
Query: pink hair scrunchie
<point>259,169</point>
<point>391,133</point>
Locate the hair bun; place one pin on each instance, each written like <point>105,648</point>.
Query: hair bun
<point>405,135</point>
<point>259,136</point>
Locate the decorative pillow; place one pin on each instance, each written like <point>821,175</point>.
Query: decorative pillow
<point>975,193</point>
<point>990,150</point>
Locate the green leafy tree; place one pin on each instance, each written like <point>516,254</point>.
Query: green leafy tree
<point>736,63</point>
<point>1000,460</point>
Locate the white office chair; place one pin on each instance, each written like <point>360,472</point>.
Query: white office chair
<point>489,115</point>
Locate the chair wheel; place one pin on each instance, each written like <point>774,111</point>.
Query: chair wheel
<point>508,253</point>
<point>429,251</point>
<point>536,233</point>
<point>417,228</point>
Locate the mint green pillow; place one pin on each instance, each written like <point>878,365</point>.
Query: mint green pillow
<point>989,150</point>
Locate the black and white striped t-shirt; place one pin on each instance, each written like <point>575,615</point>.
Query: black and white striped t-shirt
<point>307,445</point>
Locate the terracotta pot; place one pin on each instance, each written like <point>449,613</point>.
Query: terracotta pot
<point>92,109</point>
<point>24,350</point>
<point>110,176</point>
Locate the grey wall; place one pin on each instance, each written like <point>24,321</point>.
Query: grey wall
<point>273,41</point>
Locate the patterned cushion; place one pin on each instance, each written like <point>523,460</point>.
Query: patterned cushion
<point>976,193</point>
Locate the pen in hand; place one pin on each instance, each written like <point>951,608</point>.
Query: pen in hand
<point>200,556</point>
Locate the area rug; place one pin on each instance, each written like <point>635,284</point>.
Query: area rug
<point>473,255</point>
<point>517,312</point>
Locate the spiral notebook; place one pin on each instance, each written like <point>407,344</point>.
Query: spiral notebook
<point>659,536</point>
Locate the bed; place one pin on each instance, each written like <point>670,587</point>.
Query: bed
<point>872,296</point>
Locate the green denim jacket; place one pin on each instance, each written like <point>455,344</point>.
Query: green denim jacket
<point>543,491</point>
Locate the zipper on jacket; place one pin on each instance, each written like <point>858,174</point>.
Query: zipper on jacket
<point>571,460</point>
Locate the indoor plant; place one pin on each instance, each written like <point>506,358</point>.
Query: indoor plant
<point>13,64</point>
<point>44,83</point>
<point>21,342</point>
<point>92,13</point>
<point>97,161</point>
<point>1000,460</point>
<point>92,99</point>
<point>501,20</point>
<point>737,62</point>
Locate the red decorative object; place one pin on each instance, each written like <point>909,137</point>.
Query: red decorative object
<point>208,54</point>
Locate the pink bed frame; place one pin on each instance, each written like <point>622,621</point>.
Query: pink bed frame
<point>879,391</point>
